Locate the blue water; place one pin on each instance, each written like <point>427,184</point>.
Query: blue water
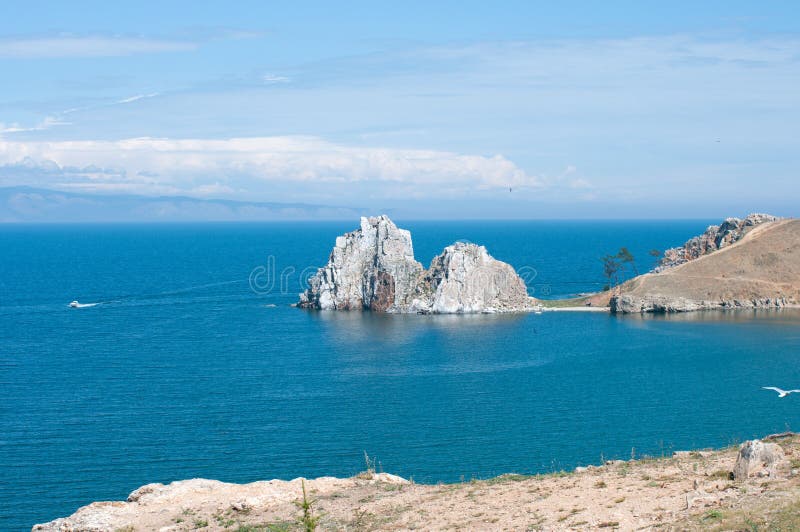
<point>181,370</point>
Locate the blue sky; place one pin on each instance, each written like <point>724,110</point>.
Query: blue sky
<point>462,109</point>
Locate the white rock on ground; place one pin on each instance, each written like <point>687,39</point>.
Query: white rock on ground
<point>757,458</point>
<point>149,506</point>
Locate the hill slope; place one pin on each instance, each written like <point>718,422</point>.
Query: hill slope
<point>761,270</point>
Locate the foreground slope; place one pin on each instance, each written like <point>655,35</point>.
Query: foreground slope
<point>688,491</point>
<point>761,270</point>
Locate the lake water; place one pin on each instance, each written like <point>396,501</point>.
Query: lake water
<point>182,370</point>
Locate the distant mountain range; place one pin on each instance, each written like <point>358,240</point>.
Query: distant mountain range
<point>27,204</point>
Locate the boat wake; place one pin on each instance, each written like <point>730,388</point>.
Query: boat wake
<point>75,304</point>
<point>170,296</point>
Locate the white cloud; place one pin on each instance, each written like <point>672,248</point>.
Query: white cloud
<point>215,190</point>
<point>58,119</point>
<point>580,183</point>
<point>271,79</point>
<point>204,167</point>
<point>137,98</point>
<point>46,123</point>
<point>87,46</point>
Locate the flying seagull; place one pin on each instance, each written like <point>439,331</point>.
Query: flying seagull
<point>781,393</point>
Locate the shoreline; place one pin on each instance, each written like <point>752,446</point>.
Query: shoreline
<point>690,490</point>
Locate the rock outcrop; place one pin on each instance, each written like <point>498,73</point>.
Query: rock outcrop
<point>714,238</point>
<point>750,263</point>
<point>757,458</point>
<point>201,503</point>
<point>373,268</point>
<point>466,279</point>
<point>370,268</point>
<point>630,304</point>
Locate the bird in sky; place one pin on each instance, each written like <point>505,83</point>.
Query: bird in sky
<point>781,393</point>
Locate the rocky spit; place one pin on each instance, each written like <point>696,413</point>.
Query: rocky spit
<point>373,268</point>
<point>755,486</point>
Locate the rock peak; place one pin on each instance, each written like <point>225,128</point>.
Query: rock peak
<point>375,220</point>
<point>370,268</point>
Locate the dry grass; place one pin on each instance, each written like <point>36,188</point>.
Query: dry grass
<point>765,263</point>
<point>691,491</point>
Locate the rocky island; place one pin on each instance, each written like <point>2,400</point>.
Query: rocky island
<point>373,268</point>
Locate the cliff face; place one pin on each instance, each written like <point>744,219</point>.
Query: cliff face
<point>371,268</point>
<point>754,263</point>
<point>374,268</point>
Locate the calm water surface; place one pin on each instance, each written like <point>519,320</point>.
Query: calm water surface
<point>181,370</point>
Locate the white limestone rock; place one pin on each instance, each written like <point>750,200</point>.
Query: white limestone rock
<point>757,458</point>
<point>466,279</point>
<point>370,268</point>
<point>156,506</point>
<point>374,268</point>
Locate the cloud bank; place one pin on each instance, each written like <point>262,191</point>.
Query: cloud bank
<point>62,46</point>
<point>240,167</point>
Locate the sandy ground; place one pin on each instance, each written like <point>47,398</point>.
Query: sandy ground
<point>688,491</point>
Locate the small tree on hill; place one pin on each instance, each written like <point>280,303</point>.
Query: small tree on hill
<point>611,268</point>
<point>626,258</point>
<point>613,265</point>
<point>656,254</point>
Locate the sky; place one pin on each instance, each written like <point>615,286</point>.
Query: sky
<point>431,110</point>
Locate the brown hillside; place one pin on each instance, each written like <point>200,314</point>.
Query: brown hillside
<point>760,270</point>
